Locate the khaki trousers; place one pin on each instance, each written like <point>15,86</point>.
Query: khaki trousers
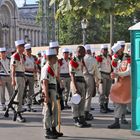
<point>106,85</point>
<point>49,120</point>
<point>65,81</point>
<point>89,90</point>
<point>119,110</point>
<point>6,83</point>
<point>20,85</point>
<point>31,89</point>
<point>78,110</point>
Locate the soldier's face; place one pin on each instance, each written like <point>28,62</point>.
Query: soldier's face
<point>66,55</point>
<point>20,48</point>
<point>3,54</point>
<point>82,52</point>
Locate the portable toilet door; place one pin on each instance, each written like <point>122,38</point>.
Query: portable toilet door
<point>135,75</point>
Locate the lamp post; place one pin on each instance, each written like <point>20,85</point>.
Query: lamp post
<point>84,24</point>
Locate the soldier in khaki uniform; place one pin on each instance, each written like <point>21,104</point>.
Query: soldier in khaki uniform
<point>30,70</point>
<point>78,86</point>
<point>120,92</point>
<point>104,61</point>
<point>5,79</point>
<point>91,72</point>
<point>50,110</point>
<point>18,76</point>
<point>64,75</point>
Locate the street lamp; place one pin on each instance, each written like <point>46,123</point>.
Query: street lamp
<point>84,24</point>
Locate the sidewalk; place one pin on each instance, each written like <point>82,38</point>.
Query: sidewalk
<point>32,130</point>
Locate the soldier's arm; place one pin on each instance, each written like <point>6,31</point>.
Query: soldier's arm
<point>45,90</point>
<point>74,82</point>
<point>13,69</point>
<point>125,73</point>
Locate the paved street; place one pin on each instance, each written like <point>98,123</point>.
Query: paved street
<point>32,130</point>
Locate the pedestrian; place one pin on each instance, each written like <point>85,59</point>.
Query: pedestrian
<point>104,61</point>
<point>18,76</point>
<point>5,78</point>
<point>64,76</point>
<point>91,72</point>
<point>30,71</point>
<point>78,86</point>
<point>50,109</point>
<point>120,92</point>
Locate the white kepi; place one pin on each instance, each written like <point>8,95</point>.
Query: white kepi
<point>75,99</point>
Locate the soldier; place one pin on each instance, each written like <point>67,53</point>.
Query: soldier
<point>78,86</point>
<point>18,77</point>
<point>30,71</point>
<point>91,72</point>
<point>50,109</point>
<point>64,75</point>
<point>104,61</point>
<point>5,78</point>
<point>120,92</point>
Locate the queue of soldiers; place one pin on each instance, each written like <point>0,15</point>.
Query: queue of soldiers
<point>72,77</point>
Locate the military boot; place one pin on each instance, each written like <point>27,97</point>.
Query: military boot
<point>58,134</point>
<point>83,122</point>
<point>50,135</point>
<point>20,118</point>
<point>103,109</point>
<point>67,106</point>
<point>115,125</point>
<point>123,120</point>
<point>77,122</point>
<point>108,109</point>
<point>88,116</point>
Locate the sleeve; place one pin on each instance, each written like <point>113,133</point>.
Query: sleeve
<point>125,73</point>
<point>44,74</point>
<point>13,61</point>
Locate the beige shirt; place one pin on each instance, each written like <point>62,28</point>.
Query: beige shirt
<point>105,65</point>
<point>79,70</point>
<point>5,67</point>
<point>64,68</point>
<point>19,63</point>
<point>45,75</point>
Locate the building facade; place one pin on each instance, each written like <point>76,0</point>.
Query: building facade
<point>18,23</point>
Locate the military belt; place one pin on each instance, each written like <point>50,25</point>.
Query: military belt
<point>80,79</point>
<point>19,74</point>
<point>66,75</point>
<point>52,86</point>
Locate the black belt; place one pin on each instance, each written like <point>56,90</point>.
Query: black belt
<point>80,79</point>
<point>66,75</point>
<point>4,75</point>
<point>52,86</point>
<point>19,74</point>
<point>29,75</point>
<point>102,72</point>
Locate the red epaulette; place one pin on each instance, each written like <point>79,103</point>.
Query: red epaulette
<point>129,60</point>
<point>38,62</point>
<point>110,56</point>
<point>73,63</point>
<point>50,71</point>
<point>114,63</point>
<point>16,56</point>
<point>60,61</point>
<point>99,58</point>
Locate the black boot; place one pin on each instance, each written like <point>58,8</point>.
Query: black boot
<point>103,109</point>
<point>20,118</point>
<point>123,120</point>
<point>58,134</point>
<point>83,122</point>
<point>88,116</point>
<point>108,109</point>
<point>77,122</point>
<point>30,109</point>
<point>67,106</point>
<point>50,135</point>
<point>115,125</point>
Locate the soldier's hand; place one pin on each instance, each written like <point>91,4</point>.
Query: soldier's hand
<point>46,100</point>
<point>13,83</point>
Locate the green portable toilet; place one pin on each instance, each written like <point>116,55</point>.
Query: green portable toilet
<point>135,73</point>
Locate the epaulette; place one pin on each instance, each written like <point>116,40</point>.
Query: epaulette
<point>60,61</point>
<point>50,71</point>
<point>73,63</point>
<point>16,56</point>
<point>99,58</point>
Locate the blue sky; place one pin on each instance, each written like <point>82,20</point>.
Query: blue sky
<point>20,2</point>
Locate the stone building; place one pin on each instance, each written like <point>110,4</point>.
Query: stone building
<point>18,23</point>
